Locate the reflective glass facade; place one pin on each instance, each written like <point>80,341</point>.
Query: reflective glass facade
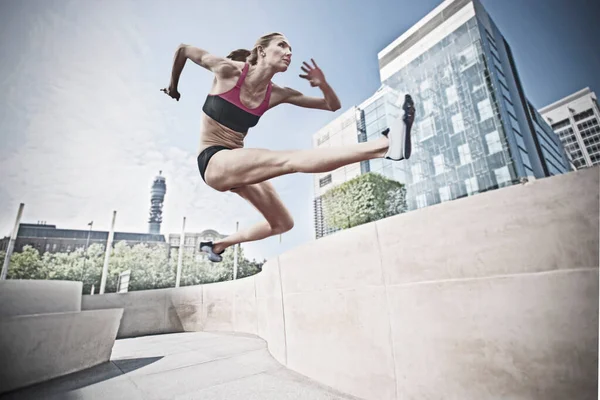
<point>554,157</point>
<point>459,138</point>
<point>472,132</point>
<point>474,129</point>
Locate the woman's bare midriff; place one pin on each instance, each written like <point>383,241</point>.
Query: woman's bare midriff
<point>214,134</point>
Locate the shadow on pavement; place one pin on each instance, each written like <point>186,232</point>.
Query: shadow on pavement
<point>59,388</point>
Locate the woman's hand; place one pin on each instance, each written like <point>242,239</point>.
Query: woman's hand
<point>313,74</point>
<point>172,92</point>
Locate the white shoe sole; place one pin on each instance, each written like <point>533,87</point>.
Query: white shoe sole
<point>397,139</point>
<point>212,256</point>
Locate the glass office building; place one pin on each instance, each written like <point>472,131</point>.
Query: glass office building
<point>474,130</point>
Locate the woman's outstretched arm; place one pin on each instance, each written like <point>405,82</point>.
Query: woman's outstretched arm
<point>221,67</point>
<point>315,76</point>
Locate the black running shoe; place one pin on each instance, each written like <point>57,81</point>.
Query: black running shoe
<point>207,247</point>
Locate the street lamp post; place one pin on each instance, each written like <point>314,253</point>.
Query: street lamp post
<point>87,243</point>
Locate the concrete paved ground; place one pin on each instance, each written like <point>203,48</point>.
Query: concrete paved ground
<point>194,365</point>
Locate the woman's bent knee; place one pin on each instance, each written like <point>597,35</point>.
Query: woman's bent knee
<point>219,186</point>
<point>284,226</point>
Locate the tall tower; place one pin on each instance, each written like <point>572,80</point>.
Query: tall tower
<point>159,189</point>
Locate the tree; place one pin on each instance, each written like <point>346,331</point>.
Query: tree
<point>150,266</point>
<point>366,198</point>
<point>200,271</point>
<point>27,265</point>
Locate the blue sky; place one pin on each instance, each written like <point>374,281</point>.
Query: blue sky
<point>84,128</point>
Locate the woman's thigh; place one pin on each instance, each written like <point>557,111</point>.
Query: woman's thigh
<point>229,169</point>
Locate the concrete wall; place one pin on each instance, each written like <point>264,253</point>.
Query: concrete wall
<point>26,297</point>
<point>493,296</point>
<point>36,348</point>
<point>153,311</point>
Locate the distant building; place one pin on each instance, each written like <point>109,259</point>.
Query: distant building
<point>192,241</point>
<point>576,120</point>
<point>50,239</point>
<point>361,123</point>
<point>341,131</point>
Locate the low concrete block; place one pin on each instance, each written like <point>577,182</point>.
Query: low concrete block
<point>36,348</point>
<point>144,311</point>
<point>184,308</point>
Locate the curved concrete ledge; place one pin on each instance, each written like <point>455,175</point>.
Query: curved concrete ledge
<point>26,297</point>
<point>151,312</point>
<point>493,296</point>
<point>36,348</point>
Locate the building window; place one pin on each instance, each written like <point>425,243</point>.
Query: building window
<point>464,153</point>
<point>472,186</point>
<point>426,129</point>
<point>444,193</point>
<point>498,65</point>
<point>520,141</point>
<point>495,53</point>
<point>447,74</point>
<point>587,124</point>
<point>438,164</point>
<point>467,57</point>
<point>325,181</point>
<point>583,115</point>
<point>322,139</point>
<point>421,201</point>
<point>365,167</point>
<point>428,106</point>
<point>502,79</point>
<point>493,142</point>
<point>189,241</point>
<point>485,110</point>
<point>561,124</point>
<point>529,172</point>
<point>505,92</point>
<point>451,95</point>
<point>370,117</point>
<point>458,123</point>
<point>175,242</point>
<point>525,158</point>
<point>502,176</point>
<point>510,107</point>
<point>417,172</point>
<point>514,123</point>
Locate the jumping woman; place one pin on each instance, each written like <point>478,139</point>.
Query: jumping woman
<point>241,93</point>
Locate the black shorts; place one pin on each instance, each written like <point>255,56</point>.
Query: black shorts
<point>205,156</point>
